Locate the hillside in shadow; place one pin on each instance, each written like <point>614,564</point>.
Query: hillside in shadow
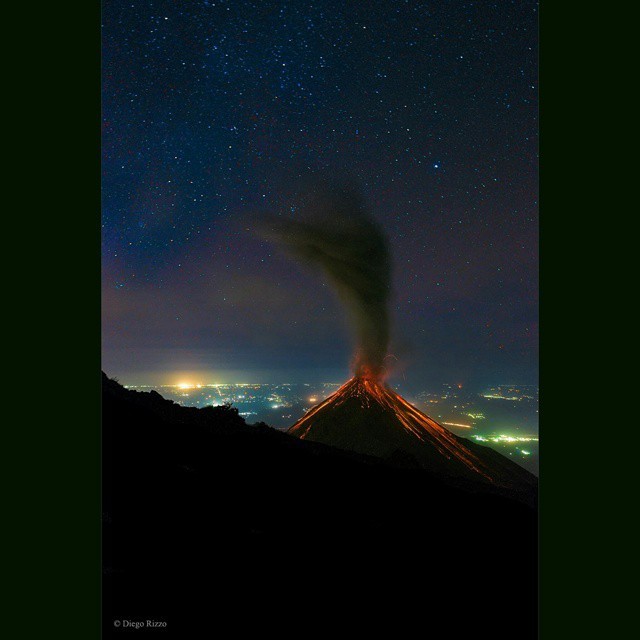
<point>216,526</point>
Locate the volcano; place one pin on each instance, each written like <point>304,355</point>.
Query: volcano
<point>366,416</point>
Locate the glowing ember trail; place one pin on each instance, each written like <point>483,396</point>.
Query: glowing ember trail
<point>364,408</point>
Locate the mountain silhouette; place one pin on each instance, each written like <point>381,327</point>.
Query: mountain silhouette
<point>366,416</point>
<point>219,527</point>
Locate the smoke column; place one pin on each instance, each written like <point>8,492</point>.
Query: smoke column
<point>336,232</point>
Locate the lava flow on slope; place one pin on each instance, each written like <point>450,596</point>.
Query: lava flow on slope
<point>366,416</point>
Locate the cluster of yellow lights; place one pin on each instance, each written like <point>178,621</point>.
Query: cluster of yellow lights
<point>187,385</point>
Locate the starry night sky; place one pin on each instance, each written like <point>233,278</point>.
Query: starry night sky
<point>217,111</point>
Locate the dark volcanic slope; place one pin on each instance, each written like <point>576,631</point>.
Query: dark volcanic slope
<point>370,418</point>
<point>211,524</point>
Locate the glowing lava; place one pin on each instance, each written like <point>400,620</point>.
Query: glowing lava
<point>367,416</point>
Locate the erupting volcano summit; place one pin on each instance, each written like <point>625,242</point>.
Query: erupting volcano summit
<point>337,233</point>
<point>366,416</point>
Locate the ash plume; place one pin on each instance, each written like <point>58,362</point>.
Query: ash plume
<point>336,232</point>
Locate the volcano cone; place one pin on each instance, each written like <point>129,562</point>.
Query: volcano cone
<point>366,416</point>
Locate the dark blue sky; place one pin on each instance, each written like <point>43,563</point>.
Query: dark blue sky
<point>216,111</point>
